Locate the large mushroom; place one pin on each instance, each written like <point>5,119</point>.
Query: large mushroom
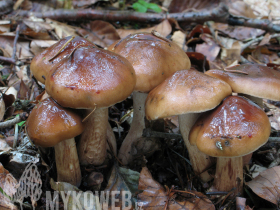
<point>154,58</point>
<point>92,78</point>
<point>51,125</point>
<point>235,128</point>
<point>187,93</point>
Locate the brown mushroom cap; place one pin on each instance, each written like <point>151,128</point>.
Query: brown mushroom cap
<point>48,124</point>
<point>153,58</point>
<point>186,91</point>
<point>236,128</point>
<point>261,81</point>
<point>91,77</point>
<point>41,65</point>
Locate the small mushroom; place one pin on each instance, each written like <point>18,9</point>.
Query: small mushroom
<point>187,93</point>
<point>235,128</point>
<point>154,58</point>
<point>51,125</point>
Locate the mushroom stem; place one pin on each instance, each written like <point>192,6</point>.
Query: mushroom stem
<point>67,162</point>
<point>136,128</point>
<point>229,174</point>
<point>200,161</point>
<point>92,145</point>
<point>111,139</point>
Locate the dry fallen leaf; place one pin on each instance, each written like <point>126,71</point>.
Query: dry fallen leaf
<point>238,32</point>
<point>9,185</point>
<point>273,115</point>
<point>240,8</point>
<point>231,55</point>
<point>38,46</point>
<point>180,39</point>
<point>61,29</point>
<point>122,179</point>
<point>164,28</point>
<point>23,49</point>
<point>155,197</point>
<point>100,33</point>
<point>209,48</point>
<point>267,185</point>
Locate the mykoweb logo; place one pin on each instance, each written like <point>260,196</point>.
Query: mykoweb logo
<point>30,185</point>
<point>104,200</point>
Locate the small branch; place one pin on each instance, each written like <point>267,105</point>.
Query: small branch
<point>14,121</point>
<point>15,42</point>
<point>8,60</point>
<point>219,14</point>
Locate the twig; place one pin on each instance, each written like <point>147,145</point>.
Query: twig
<point>219,14</point>
<point>8,60</point>
<point>15,42</point>
<point>14,121</point>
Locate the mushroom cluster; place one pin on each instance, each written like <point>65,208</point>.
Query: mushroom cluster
<point>154,58</point>
<point>79,75</point>
<point>187,93</point>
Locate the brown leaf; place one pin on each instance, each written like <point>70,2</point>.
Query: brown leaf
<point>9,185</point>
<point>61,29</point>
<point>164,28</point>
<point>197,30</point>
<point>38,46</point>
<point>238,32</point>
<point>100,33</point>
<point>180,39</point>
<point>198,61</point>
<point>154,196</point>
<point>267,185</point>
<point>6,45</point>
<point>36,29</point>
<point>273,115</point>
<point>231,55</point>
<point>209,48</point>
<point>24,91</point>
<point>240,8</point>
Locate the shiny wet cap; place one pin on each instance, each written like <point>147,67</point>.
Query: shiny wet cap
<point>91,78</point>
<point>153,57</point>
<point>235,128</point>
<point>48,124</point>
<point>186,91</point>
<point>41,63</point>
<point>256,80</point>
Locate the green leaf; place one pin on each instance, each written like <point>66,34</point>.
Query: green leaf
<point>21,123</point>
<point>154,7</point>
<point>139,7</point>
<point>144,3</point>
<point>2,191</point>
